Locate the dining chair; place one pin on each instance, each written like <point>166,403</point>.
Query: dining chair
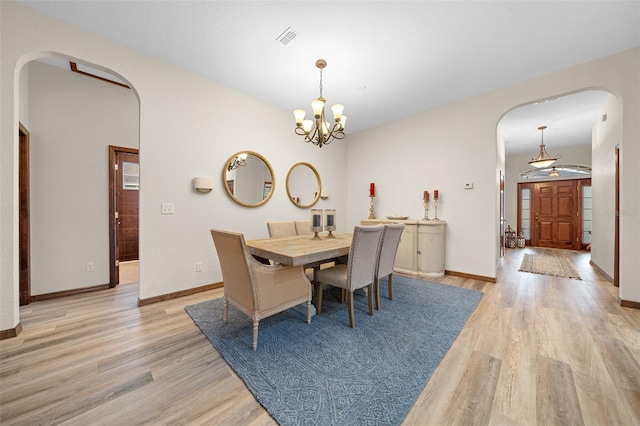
<point>256,289</point>
<point>281,229</point>
<point>303,227</point>
<point>387,258</point>
<point>359,272</point>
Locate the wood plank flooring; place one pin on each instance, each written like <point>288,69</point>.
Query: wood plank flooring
<point>537,350</point>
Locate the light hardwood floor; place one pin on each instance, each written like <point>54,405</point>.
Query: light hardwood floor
<point>537,350</point>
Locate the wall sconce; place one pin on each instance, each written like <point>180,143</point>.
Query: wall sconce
<point>324,194</point>
<point>203,184</point>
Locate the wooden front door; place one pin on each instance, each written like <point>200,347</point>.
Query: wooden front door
<point>556,215</point>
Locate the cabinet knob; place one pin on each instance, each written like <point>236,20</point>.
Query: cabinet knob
<point>419,252</point>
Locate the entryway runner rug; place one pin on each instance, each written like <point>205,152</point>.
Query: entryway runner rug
<point>326,373</point>
<point>556,266</point>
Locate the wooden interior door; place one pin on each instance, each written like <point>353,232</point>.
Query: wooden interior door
<point>127,188</point>
<point>124,185</point>
<point>24,229</point>
<point>556,215</point>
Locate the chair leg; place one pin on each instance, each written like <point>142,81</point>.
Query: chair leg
<point>376,284</point>
<point>318,297</point>
<point>255,334</point>
<point>308,311</point>
<point>390,286</point>
<point>370,297</point>
<point>225,310</point>
<point>343,295</point>
<point>352,319</point>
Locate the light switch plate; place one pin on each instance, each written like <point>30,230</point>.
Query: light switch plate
<point>168,208</point>
<point>468,185</point>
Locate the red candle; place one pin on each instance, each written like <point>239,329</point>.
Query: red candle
<point>425,196</point>
<point>372,189</point>
<point>435,194</point>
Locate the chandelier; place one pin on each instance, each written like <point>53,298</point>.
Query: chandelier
<point>543,159</point>
<point>239,161</point>
<point>318,131</point>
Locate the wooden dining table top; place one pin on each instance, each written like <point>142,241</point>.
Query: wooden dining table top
<point>302,249</point>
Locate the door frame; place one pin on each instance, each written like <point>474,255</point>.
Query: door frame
<point>114,267</point>
<point>616,238</point>
<point>24,214</point>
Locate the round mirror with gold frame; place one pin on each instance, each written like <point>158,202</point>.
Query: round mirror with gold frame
<point>248,178</point>
<point>303,185</point>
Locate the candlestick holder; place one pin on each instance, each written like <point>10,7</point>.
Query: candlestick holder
<point>426,210</point>
<point>371,212</point>
<point>435,205</point>
<point>316,222</point>
<point>330,222</point>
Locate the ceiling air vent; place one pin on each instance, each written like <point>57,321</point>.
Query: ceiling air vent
<point>287,35</point>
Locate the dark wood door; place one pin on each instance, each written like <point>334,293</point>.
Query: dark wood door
<point>123,208</point>
<point>556,215</point>
<point>127,189</point>
<point>24,230</point>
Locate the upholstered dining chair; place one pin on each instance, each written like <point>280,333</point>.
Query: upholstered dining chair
<point>256,289</point>
<point>358,272</point>
<point>303,227</point>
<point>281,229</point>
<point>387,258</point>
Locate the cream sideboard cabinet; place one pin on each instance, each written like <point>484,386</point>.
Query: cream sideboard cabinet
<point>431,248</point>
<point>421,250</point>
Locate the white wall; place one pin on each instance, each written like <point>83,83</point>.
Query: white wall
<point>606,135</point>
<point>518,163</point>
<point>73,120</point>
<point>190,126</point>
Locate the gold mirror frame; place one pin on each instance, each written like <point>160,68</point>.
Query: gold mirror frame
<point>318,190</point>
<point>230,188</point>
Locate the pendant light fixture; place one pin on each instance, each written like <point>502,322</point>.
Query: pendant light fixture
<point>318,131</point>
<point>543,159</point>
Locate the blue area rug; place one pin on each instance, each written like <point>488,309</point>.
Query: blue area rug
<point>326,373</point>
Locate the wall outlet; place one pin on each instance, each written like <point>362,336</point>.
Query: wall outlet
<point>468,185</point>
<point>91,267</point>
<point>198,266</point>
<point>167,208</point>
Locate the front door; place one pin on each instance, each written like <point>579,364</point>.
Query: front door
<point>556,210</point>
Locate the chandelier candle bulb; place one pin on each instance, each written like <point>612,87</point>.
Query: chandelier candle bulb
<point>435,194</point>
<point>425,196</point>
<point>372,189</point>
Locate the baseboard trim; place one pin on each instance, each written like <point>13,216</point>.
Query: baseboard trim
<point>470,276</point>
<point>181,293</point>
<point>10,333</point>
<point>72,292</point>
<point>599,269</point>
<point>628,304</point>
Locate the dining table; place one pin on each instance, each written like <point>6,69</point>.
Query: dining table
<point>305,250</point>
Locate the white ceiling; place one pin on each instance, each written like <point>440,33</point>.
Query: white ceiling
<point>386,59</point>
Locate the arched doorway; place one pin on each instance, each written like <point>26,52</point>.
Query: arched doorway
<point>73,110</point>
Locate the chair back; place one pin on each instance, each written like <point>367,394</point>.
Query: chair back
<point>389,249</point>
<point>234,262</point>
<point>281,229</point>
<point>363,256</point>
<point>303,227</point>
